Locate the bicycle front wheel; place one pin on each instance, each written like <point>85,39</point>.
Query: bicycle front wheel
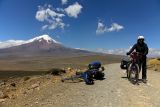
<point>133,73</point>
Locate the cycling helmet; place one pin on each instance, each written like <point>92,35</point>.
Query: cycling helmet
<point>140,37</point>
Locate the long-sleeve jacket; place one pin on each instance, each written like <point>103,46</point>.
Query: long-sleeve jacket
<point>143,49</point>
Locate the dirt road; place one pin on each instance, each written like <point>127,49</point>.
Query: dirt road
<point>114,91</point>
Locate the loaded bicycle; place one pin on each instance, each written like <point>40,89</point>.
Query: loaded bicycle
<point>133,68</point>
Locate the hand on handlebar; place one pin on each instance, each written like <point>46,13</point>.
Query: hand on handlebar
<point>127,53</point>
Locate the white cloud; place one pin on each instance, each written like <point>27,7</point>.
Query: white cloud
<point>60,9</point>
<point>152,52</point>
<point>82,49</point>
<point>73,10</point>
<point>115,27</point>
<point>64,2</point>
<point>102,28</point>
<point>121,51</point>
<point>10,43</point>
<point>41,15</point>
<point>51,17</point>
<point>53,14</point>
<point>44,27</point>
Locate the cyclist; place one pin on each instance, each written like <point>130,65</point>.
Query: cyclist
<point>142,48</point>
<point>94,71</point>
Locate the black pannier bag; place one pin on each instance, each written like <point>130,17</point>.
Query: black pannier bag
<point>124,63</point>
<point>94,65</point>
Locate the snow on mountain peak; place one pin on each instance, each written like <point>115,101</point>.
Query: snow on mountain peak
<point>11,43</point>
<point>44,37</point>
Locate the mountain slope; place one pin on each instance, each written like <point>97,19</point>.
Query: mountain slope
<point>11,43</point>
<point>42,45</point>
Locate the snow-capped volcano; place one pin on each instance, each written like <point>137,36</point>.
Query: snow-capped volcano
<point>47,38</point>
<point>11,43</point>
<point>39,46</point>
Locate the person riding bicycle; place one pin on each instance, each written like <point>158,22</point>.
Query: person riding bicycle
<point>142,48</point>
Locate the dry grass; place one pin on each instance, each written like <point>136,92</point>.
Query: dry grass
<point>27,66</point>
<point>154,64</point>
<point>47,63</point>
<point>158,59</point>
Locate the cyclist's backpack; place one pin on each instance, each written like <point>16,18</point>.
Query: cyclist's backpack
<point>88,77</point>
<point>94,65</point>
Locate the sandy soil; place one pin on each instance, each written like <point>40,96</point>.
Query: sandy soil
<point>114,91</point>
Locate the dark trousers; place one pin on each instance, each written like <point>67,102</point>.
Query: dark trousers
<point>143,66</point>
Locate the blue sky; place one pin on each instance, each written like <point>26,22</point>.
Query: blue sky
<point>118,22</point>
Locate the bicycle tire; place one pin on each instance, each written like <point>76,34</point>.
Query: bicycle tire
<point>137,72</point>
<point>134,79</point>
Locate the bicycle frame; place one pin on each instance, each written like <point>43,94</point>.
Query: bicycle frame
<point>134,57</point>
<point>134,67</point>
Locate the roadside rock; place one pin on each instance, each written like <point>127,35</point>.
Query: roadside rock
<point>2,83</point>
<point>36,102</point>
<point>35,85</point>
<point>13,84</point>
<point>30,89</point>
<point>1,94</point>
<point>26,78</point>
<point>2,100</point>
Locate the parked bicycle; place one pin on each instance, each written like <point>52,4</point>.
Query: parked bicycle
<point>133,68</point>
